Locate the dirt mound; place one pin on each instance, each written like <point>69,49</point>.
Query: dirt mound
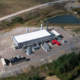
<point>52,78</point>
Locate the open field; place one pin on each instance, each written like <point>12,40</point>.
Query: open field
<point>73,30</point>
<point>35,17</point>
<point>12,6</point>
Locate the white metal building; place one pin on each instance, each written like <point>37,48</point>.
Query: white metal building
<point>55,33</point>
<point>32,38</point>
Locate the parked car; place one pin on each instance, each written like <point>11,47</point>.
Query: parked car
<point>64,41</point>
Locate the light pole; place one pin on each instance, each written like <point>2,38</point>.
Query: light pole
<point>47,25</point>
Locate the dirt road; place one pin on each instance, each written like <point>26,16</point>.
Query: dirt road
<point>29,9</point>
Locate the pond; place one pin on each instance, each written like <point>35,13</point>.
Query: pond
<point>63,19</point>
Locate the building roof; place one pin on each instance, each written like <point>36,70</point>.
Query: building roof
<point>31,36</point>
<point>55,32</point>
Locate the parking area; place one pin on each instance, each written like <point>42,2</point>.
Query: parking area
<point>7,51</point>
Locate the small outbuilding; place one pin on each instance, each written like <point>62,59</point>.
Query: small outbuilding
<point>57,35</point>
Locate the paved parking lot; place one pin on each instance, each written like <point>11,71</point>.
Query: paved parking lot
<point>7,51</point>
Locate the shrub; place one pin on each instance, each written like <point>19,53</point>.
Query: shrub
<point>43,67</point>
<point>54,65</point>
<point>28,78</point>
<point>35,77</point>
<point>66,78</point>
<point>50,74</point>
<point>70,76</point>
<point>17,20</point>
<point>77,10</point>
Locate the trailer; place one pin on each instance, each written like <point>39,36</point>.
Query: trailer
<point>45,46</point>
<point>58,36</point>
<point>55,42</point>
<point>17,61</point>
<point>55,33</point>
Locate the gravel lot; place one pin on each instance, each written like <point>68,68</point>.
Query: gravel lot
<point>7,51</point>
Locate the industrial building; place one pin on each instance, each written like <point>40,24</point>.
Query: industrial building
<point>35,45</point>
<point>35,40</point>
<point>32,38</point>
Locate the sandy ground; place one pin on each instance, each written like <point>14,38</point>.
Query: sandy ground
<point>70,29</point>
<point>52,78</point>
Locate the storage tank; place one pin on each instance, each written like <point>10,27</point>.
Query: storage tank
<point>3,61</point>
<point>41,26</point>
<point>55,33</point>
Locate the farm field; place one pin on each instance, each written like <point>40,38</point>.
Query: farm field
<point>11,6</point>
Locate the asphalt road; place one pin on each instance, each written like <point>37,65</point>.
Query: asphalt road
<point>29,9</point>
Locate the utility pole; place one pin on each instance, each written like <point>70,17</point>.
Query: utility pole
<point>47,25</point>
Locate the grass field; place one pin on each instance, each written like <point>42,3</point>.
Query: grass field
<point>11,6</point>
<point>34,18</point>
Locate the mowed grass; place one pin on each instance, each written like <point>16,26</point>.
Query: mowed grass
<point>11,6</point>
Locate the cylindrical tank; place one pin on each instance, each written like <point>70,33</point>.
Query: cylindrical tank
<point>41,26</point>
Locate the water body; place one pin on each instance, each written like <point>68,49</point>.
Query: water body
<point>63,19</point>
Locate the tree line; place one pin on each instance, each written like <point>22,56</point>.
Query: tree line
<point>66,67</point>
